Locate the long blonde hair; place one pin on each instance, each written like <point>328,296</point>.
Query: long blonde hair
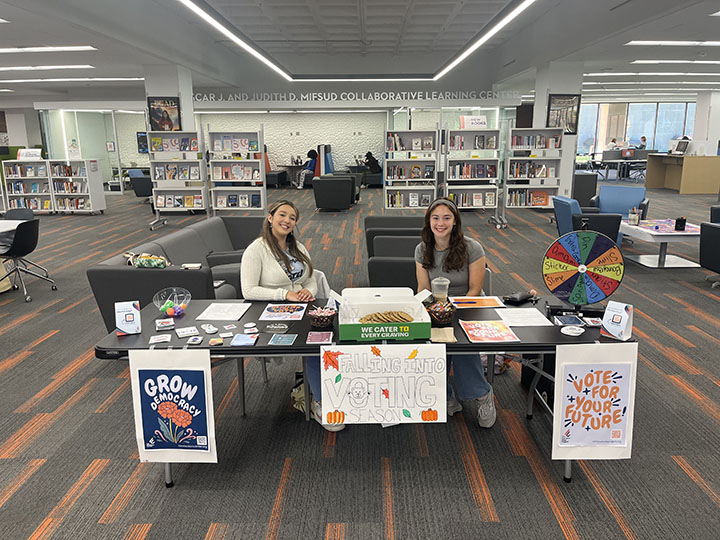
<point>292,245</point>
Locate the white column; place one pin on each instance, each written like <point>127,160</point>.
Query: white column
<point>558,78</point>
<point>16,129</point>
<point>706,135</point>
<point>165,80</point>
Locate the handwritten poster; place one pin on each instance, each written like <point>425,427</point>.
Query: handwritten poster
<point>383,384</point>
<point>173,405</point>
<point>594,400</point>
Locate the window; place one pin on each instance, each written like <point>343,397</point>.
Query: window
<point>690,120</point>
<point>670,124</point>
<point>641,121</point>
<point>587,125</point>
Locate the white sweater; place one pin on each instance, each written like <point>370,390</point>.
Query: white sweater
<point>262,277</point>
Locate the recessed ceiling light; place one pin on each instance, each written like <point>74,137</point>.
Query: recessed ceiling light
<point>606,83</point>
<point>70,48</point>
<point>45,68</point>
<point>73,79</point>
<point>4,21</point>
<point>655,74</point>
<point>6,90</point>
<point>715,14</point>
<point>674,43</point>
<point>675,62</point>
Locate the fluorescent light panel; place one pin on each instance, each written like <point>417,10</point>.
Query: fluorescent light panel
<point>669,43</point>
<point>72,79</point>
<point>654,74</point>
<point>607,83</point>
<point>705,62</point>
<point>69,48</point>
<point>4,21</point>
<point>307,111</point>
<point>377,79</point>
<point>45,68</point>
<point>6,90</point>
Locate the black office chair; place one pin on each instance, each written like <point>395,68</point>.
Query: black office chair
<point>23,243</point>
<point>142,186</point>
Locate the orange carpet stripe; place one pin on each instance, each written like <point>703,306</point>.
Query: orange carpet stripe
<point>53,521</point>
<point>704,292</point>
<point>138,531</point>
<point>512,433</point>
<point>217,531</point>
<point>76,261</point>
<point>17,482</point>
<point>338,264</point>
<point>556,500</point>
<point>39,340</point>
<point>704,334</point>
<point>495,253</point>
<point>527,284</point>
<point>665,329</point>
<point>634,291</point>
<point>423,450</point>
<point>59,379</point>
<point>280,496</point>
<point>222,407</point>
<point>474,472</point>
<point>135,454</point>
<point>517,217</point>
<point>494,268</point>
<point>38,424</point>
<point>349,281</point>
<point>653,366</point>
<point>112,398</point>
<point>358,256</point>
<point>682,361</point>
<point>701,400</point>
<point>7,301</point>
<point>699,480</point>
<point>121,500</point>
<point>12,361</point>
<point>714,322</point>
<point>329,440</point>
<point>607,499</point>
<point>75,304</point>
<point>335,531</point>
<point>387,492</point>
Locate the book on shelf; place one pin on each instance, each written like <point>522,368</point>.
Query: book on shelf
<point>226,172</point>
<point>29,170</point>
<point>179,201</point>
<point>489,198</point>
<point>217,172</point>
<point>252,146</point>
<point>429,171</point>
<point>255,200</point>
<point>256,175</point>
<point>232,201</point>
<point>193,144</point>
<point>241,144</point>
<point>171,144</point>
<point>227,143</point>
<point>184,173</point>
<point>34,187</point>
<point>243,200</point>
<point>479,143</point>
<point>185,144</point>
<point>417,143</point>
<point>415,171</point>
<point>221,201</point>
<point>551,172</point>
<point>491,142</point>
<point>247,172</point>
<point>159,172</point>
<point>156,144</point>
<point>41,170</point>
<point>236,172</point>
<point>425,200</point>
<point>160,201</point>
<point>171,172</point>
<point>427,143</point>
<point>217,144</point>
<point>194,172</point>
<point>169,201</point>
<point>477,199</point>
<point>33,203</point>
<point>539,198</point>
<point>46,204</point>
<point>188,203</point>
<point>197,201</point>
<point>413,199</point>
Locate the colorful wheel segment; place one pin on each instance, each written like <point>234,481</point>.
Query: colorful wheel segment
<point>583,267</point>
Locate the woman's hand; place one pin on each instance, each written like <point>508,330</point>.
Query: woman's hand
<point>303,295</point>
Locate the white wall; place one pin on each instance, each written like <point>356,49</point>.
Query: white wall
<point>127,127</point>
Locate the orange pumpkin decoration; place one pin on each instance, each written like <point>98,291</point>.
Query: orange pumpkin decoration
<point>429,415</point>
<point>335,417</point>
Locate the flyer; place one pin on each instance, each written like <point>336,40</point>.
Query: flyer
<point>283,312</point>
<point>488,331</point>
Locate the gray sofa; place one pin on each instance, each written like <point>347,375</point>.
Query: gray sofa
<point>217,243</point>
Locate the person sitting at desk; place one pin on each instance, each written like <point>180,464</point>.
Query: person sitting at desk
<point>372,163</point>
<point>612,145</point>
<point>643,143</point>
<point>277,267</point>
<point>445,252</point>
<point>308,169</point>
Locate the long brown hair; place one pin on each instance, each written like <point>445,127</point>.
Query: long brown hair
<point>457,256</point>
<point>292,245</point>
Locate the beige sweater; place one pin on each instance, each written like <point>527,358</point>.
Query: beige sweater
<point>262,277</point>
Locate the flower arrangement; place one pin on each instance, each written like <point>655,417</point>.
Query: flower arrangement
<point>172,428</point>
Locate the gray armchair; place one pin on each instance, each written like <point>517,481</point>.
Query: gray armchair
<point>334,193</point>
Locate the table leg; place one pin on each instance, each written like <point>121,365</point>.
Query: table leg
<point>306,391</point>
<point>533,387</point>
<point>490,368</point>
<point>264,370</point>
<point>662,255</point>
<point>241,383</point>
<point>168,475</point>
<point>567,476</point>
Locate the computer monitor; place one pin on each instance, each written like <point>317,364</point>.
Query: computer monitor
<point>681,147</point>
<point>628,153</point>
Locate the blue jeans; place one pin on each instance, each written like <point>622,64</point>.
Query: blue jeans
<point>469,378</point>
<point>312,372</point>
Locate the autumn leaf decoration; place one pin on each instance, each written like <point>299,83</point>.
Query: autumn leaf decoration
<point>386,393</point>
<point>413,354</point>
<point>330,359</point>
<point>375,351</point>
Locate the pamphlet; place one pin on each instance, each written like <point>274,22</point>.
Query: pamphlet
<point>161,338</point>
<point>187,332</point>
<point>462,302</point>
<point>566,320</point>
<point>244,340</point>
<point>276,328</point>
<point>127,318</point>
<point>282,339</point>
<point>223,312</point>
<point>283,312</point>
<point>488,331</point>
<point>592,321</point>
<point>523,317</point>
<point>617,321</point>
<point>319,337</point>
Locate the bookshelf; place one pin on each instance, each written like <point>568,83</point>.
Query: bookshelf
<point>532,170</point>
<point>28,185</point>
<point>3,202</point>
<point>179,177</point>
<point>472,167</point>
<point>77,186</point>
<point>410,172</point>
<point>237,178</point>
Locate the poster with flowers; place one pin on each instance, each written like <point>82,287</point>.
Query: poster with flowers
<point>173,405</point>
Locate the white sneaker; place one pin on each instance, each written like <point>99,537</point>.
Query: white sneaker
<point>486,410</point>
<point>453,405</point>
<point>316,413</point>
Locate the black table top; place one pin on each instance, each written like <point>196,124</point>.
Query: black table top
<point>532,338</point>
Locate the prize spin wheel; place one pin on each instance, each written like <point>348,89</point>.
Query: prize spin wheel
<point>583,267</point>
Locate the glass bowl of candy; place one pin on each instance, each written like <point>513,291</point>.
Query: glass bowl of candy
<point>441,313</point>
<point>172,301</point>
<point>321,317</point>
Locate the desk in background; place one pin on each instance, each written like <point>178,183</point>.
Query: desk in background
<point>7,225</point>
<point>685,174</point>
